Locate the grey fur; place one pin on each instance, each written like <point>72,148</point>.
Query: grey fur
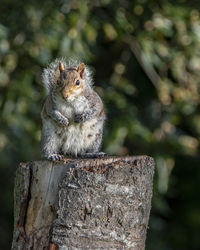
<point>74,125</point>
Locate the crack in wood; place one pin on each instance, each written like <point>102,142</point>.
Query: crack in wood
<point>27,176</point>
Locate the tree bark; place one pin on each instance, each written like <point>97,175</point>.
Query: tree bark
<point>83,203</point>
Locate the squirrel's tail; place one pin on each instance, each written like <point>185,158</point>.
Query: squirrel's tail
<point>51,74</point>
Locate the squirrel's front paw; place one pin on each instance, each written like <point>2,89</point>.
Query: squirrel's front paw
<point>79,118</point>
<point>64,122</point>
<point>55,157</point>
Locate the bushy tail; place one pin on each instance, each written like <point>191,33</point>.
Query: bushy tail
<point>51,74</point>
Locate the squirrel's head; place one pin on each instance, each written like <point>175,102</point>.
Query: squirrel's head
<point>70,81</point>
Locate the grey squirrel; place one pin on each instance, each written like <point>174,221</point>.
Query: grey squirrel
<point>73,113</point>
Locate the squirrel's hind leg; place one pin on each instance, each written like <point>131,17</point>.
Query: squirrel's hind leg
<point>93,155</point>
<point>55,157</point>
<point>50,147</point>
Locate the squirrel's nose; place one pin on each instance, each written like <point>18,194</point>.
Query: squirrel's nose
<point>66,94</point>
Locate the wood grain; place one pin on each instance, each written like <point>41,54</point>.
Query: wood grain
<point>83,203</point>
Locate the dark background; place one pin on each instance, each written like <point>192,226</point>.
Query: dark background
<point>145,56</point>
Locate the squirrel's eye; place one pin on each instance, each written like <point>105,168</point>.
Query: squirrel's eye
<point>77,82</point>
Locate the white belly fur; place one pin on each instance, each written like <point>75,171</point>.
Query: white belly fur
<point>78,137</point>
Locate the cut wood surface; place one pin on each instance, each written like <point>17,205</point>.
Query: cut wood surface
<point>83,203</point>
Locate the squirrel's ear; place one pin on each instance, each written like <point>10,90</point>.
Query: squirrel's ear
<point>81,69</point>
<point>61,67</point>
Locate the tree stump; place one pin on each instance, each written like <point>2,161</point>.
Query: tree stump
<point>83,203</point>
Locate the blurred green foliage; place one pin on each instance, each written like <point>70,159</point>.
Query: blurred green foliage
<point>145,56</point>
